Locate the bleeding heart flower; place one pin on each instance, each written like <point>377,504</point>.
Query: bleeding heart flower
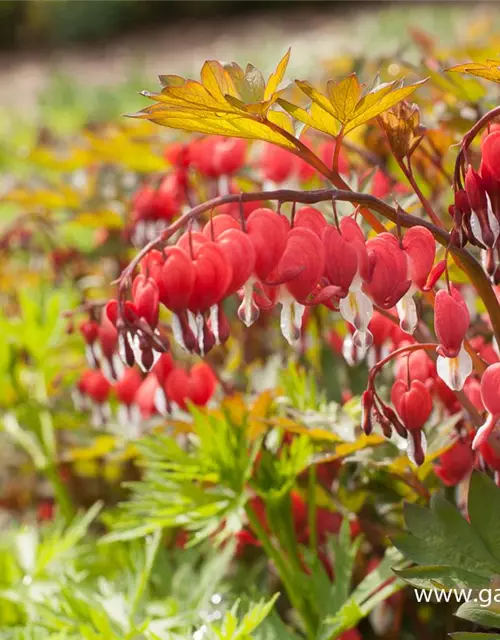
<point>381,185</point>
<point>420,248</point>
<point>417,365</point>
<point>145,396</point>
<point>197,386</point>
<point>267,232</point>
<point>240,256</point>
<point>389,281</point>
<point>451,321</point>
<point>169,196</point>
<point>456,463</point>
<point>90,332</point>
<point>311,219</point>
<point>106,349</point>
<point>299,269</point>
<point>127,386</point>
<point>413,403</point>
<point>490,151</point>
<point>215,156</point>
<point>218,224</point>
<point>177,279</point>
<point>347,267</point>
<point>129,414</point>
<point>490,385</point>
<point>163,367</point>
<point>98,389</point>
<point>484,225</point>
<point>276,164</point>
<point>146,299</point>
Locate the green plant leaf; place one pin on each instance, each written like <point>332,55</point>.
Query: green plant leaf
<point>441,536</point>
<point>472,612</point>
<point>431,577</point>
<point>483,493</point>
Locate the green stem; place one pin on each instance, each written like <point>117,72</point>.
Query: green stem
<point>152,548</point>
<point>284,572</point>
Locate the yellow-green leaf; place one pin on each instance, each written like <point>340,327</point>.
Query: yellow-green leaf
<point>489,70</point>
<point>344,96</point>
<point>316,117</point>
<point>344,104</point>
<point>318,97</point>
<point>228,101</point>
<point>276,78</point>
<point>378,101</point>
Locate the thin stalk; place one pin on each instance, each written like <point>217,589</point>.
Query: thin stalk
<point>423,200</point>
<point>151,552</point>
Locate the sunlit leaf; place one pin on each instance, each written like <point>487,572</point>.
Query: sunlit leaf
<point>344,103</point>
<point>489,70</point>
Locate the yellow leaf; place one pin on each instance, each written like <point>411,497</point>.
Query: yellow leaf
<point>316,117</point>
<point>235,407</point>
<point>344,96</point>
<point>348,448</point>
<point>317,97</point>
<point>249,84</point>
<point>281,119</point>
<point>489,70</point>
<point>227,102</point>
<point>276,78</point>
<point>98,219</point>
<point>239,126</point>
<point>61,197</point>
<point>86,468</point>
<point>99,448</point>
<point>69,160</point>
<point>218,81</point>
<point>343,102</point>
<point>315,434</point>
<point>378,101</point>
<point>262,405</point>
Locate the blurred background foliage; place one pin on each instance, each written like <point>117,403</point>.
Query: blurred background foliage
<point>36,23</point>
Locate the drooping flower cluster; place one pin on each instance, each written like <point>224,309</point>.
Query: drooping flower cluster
<point>165,388</point>
<point>268,260</point>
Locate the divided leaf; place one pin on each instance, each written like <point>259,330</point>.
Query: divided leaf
<point>344,103</point>
<point>229,101</point>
